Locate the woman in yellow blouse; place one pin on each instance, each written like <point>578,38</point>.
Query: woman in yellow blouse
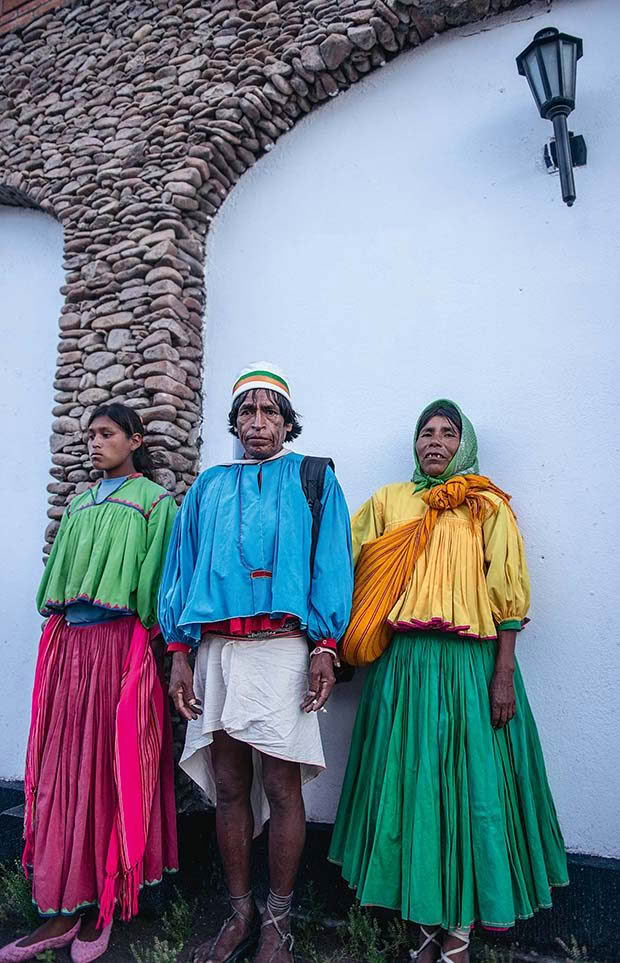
<point>445,813</point>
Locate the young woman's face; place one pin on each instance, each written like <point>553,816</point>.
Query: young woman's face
<point>437,444</point>
<point>110,450</point>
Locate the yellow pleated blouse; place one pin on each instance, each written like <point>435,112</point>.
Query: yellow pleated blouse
<point>470,579</point>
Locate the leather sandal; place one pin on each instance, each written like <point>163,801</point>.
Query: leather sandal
<point>285,938</point>
<point>249,943</point>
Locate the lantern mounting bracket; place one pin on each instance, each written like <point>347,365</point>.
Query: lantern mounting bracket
<point>578,152</point>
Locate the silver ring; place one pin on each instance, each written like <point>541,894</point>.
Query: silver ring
<point>193,702</point>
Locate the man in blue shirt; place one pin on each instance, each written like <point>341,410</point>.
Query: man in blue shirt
<point>247,585</point>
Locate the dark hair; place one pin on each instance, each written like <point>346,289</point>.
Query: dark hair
<point>286,410</point>
<point>131,423</point>
<point>446,410</point>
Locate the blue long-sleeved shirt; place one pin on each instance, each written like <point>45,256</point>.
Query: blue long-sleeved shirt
<point>241,547</point>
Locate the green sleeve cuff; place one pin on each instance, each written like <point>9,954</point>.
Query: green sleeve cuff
<point>510,625</point>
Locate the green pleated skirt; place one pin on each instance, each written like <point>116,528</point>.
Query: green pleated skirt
<point>441,816</point>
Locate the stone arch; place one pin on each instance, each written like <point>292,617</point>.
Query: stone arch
<point>15,191</point>
<point>12,197</point>
<point>131,123</point>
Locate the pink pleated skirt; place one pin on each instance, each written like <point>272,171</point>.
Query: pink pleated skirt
<point>76,800</point>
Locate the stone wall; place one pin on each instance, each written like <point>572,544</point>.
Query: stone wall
<point>17,13</point>
<point>130,122</point>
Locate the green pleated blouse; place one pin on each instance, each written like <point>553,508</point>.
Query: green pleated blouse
<point>111,554</point>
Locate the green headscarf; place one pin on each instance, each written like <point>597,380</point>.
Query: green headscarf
<point>465,459</point>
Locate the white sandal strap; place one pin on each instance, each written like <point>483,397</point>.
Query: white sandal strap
<point>229,919</point>
<point>287,938</point>
<point>446,955</point>
<point>429,937</point>
<point>238,912</point>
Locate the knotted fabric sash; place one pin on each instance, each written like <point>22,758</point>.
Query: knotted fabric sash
<point>137,754</point>
<point>386,564</point>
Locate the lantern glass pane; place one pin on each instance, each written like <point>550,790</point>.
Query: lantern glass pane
<point>549,52</point>
<point>532,72</point>
<point>569,68</point>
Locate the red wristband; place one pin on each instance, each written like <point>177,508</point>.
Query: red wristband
<point>179,647</point>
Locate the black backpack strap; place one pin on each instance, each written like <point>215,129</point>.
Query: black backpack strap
<point>312,474</point>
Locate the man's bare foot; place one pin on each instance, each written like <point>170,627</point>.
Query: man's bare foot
<point>234,932</point>
<point>276,942</point>
<point>57,926</point>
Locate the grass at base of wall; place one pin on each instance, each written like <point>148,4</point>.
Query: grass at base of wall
<point>16,897</point>
<point>189,919</point>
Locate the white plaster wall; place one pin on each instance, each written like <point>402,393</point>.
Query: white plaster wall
<point>405,243</point>
<point>30,277</point>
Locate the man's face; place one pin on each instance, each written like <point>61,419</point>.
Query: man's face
<point>260,426</point>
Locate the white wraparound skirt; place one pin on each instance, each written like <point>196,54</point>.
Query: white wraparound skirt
<point>253,689</point>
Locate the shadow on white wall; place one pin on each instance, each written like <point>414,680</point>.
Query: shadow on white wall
<point>31,251</point>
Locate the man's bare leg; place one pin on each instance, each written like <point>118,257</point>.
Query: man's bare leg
<point>232,762</point>
<point>287,834</point>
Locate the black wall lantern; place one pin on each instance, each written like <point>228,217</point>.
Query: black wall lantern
<point>550,65</point>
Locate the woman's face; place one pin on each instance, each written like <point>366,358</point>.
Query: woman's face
<point>110,450</point>
<point>437,444</point>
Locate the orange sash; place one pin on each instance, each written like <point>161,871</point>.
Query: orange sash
<point>386,564</point>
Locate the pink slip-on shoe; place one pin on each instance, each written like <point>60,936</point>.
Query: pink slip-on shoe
<point>83,951</point>
<point>12,953</point>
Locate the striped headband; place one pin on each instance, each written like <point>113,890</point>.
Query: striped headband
<point>261,374</point>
